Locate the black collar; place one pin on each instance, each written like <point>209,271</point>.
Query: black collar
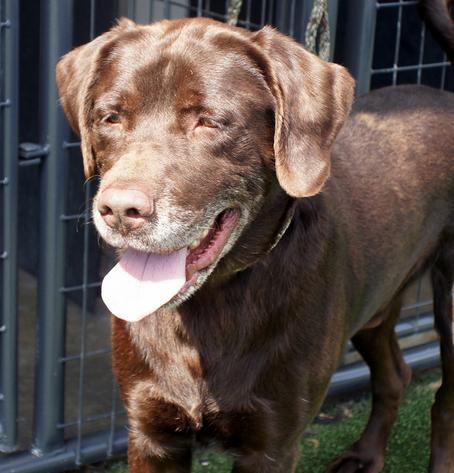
<point>284,225</point>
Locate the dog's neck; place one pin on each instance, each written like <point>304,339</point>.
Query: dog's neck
<point>285,224</point>
<point>271,223</point>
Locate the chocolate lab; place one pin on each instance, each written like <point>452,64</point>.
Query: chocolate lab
<point>261,227</point>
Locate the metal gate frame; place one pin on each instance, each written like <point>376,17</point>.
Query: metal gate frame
<point>56,39</point>
<point>9,25</point>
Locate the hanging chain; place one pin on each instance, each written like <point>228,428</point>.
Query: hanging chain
<point>233,11</point>
<point>317,31</point>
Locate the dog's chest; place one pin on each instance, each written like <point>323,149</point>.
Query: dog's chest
<point>168,416</point>
<point>182,396</point>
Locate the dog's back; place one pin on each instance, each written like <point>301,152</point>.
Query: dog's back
<point>393,179</point>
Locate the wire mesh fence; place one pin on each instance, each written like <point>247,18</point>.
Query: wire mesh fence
<point>415,57</point>
<point>64,411</point>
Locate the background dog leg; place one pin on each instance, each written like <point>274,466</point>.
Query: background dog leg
<point>389,376</point>
<point>442,449</point>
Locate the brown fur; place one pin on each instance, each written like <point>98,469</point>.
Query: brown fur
<point>246,361</point>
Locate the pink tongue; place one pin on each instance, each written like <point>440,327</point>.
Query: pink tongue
<point>142,282</point>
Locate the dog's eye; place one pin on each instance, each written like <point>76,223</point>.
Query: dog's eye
<point>207,122</point>
<point>112,118</point>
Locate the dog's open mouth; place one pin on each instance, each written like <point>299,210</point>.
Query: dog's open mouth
<point>203,253</point>
<point>143,282</point>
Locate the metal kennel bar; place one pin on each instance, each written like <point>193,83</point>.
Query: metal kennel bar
<point>56,39</point>
<point>358,23</point>
<point>9,18</point>
<point>95,447</point>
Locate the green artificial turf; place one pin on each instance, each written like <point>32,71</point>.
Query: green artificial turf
<point>340,424</point>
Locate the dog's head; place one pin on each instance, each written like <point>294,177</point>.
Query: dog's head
<point>196,129</point>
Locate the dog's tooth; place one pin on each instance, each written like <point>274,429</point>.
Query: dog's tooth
<point>194,244</point>
<point>205,233</point>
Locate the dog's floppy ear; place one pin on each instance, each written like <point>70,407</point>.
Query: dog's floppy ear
<point>313,99</point>
<point>76,74</point>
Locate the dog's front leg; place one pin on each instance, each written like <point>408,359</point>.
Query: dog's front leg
<point>142,460</point>
<point>160,440</point>
<point>160,431</point>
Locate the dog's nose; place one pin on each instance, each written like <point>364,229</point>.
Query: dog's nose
<point>125,209</point>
